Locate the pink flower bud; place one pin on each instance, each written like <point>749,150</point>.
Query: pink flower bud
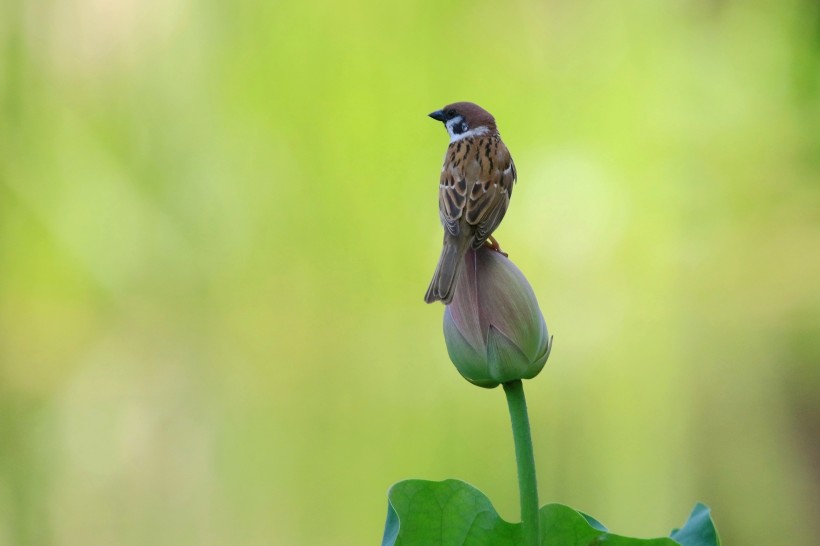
<point>493,328</point>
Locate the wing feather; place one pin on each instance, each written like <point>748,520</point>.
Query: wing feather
<point>475,187</point>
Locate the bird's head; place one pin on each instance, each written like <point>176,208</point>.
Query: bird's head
<point>465,119</point>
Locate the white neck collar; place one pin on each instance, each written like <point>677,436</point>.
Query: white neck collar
<point>478,131</point>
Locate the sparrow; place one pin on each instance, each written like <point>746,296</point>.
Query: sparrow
<point>474,190</point>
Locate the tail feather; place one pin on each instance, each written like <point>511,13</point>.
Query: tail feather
<point>443,285</point>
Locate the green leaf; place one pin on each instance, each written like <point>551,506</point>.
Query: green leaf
<point>699,530</point>
<point>447,513</point>
<point>563,526</point>
<point>594,522</point>
<point>454,513</point>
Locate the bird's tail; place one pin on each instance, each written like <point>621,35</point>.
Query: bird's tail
<point>443,285</point>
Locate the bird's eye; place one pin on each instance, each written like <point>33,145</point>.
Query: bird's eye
<point>450,113</point>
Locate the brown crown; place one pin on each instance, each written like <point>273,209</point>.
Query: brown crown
<point>473,114</point>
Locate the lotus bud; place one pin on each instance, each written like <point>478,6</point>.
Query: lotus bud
<point>493,328</point>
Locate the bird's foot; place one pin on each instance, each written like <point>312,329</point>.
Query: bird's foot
<point>493,244</point>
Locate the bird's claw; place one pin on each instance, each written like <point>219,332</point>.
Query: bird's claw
<point>493,244</point>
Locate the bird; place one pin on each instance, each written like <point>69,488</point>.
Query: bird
<point>475,188</point>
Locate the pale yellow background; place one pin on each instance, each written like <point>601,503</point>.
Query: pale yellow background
<point>218,220</point>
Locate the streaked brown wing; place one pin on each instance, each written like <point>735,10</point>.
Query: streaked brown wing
<point>475,187</point>
<point>453,188</point>
<point>490,196</point>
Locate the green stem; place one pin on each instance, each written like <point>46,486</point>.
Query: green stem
<point>528,490</point>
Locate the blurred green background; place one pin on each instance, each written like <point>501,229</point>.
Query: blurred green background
<point>218,220</point>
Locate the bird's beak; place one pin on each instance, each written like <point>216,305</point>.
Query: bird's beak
<point>438,115</point>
